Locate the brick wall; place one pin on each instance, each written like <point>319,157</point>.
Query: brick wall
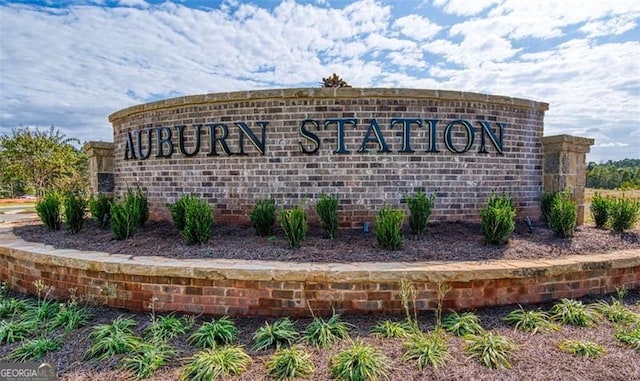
<point>364,181</point>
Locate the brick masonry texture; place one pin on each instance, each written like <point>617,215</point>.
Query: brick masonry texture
<point>363,181</point>
<point>261,288</point>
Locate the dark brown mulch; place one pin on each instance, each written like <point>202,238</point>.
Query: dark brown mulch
<point>458,241</point>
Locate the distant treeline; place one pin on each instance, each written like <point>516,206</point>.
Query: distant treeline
<point>623,174</point>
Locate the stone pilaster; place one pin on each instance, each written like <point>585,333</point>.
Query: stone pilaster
<point>564,167</point>
<point>100,156</point>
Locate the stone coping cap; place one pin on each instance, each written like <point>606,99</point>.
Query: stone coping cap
<point>219,269</point>
<point>320,92</point>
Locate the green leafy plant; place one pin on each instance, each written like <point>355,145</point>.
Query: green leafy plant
<point>498,220</point>
<point>533,321</point>
<point>123,221</point>
<point>198,219</point>
<point>290,363</point>
<point>12,306</point>
<point>392,329</point>
<point>138,202</point>
<point>545,204</point>
<point>466,323</point>
<point>34,349</point>
<point>629,336</point>
<point>491,350</point>
<point>111,339</point>
<point>616,312</point>
<point>217,363</point>
<point>624,214</point>
<point>359,362</point>
<point>388,224</point>
<point>263,216</point>
<point>99,207</point>
<point>408,294</point>
<point>42,312</point>
<point>574,312</point>
<point>600,209</point>
<point>168,326</point>
<point>13,331</point>
<point>74,206</point>
<point>322,334</point>
<point>420,206</point>
<point>71,316</point>
<point>562,217</point>
<point>327,209</point>
<point>427,350</point>
<point>581,348</point>
<point>178,210</point>
<point>222,331</point>
<point>147,358</point>
<point>294,224</point>
<point>48,210</point>
<point>281,332</point>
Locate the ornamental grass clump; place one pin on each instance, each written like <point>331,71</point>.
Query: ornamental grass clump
<point>218,332</point>
<point>168,326</point>
<point>34,349</point>
<point>198,219</point>
<point>147,358</point>
<point>388,224</point>
<point>359,362</point>
<point>420,206</point>
<point>74,206</point>
<point>562,217</point>
<point>290,363</point>
<point>100,207</point>
<point>281,332</point>
<point>490,350</point>
<point>427,350</point>
<point>624,214</point>
<point>111,339</point>
<point>12,331</point>
<point>263,216</point>
<point>601,209</point>
<point>581,348</point>
<point>498,220</point>
<point>294,223</point>
<point>392,329</point>
<point>216,364</point>
<point>533,321</point>
<point>49,211</point>
<point>323,334</point>
<point>629,336</point>
<point>466,323</point>
<point>574,312</point>
<point>327,209</point>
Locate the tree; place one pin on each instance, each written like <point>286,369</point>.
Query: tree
<point>334,81</point>
<point>44,160</point>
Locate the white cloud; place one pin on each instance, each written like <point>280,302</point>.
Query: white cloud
<point>417,27</point>
<point>465,7</point>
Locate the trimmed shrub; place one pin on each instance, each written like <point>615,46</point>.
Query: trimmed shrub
<point>601,209</point>
<point>263,216</point>
<point>498,219</point>
<point>49,211</point>
<point>545,204</point>
<point>388,224</point>
<point>123,221</point>
<point>624,214</point>
<point>198,218</point>
<point>74,206</point>
<point>177,211</point>
<point>99,207</point>
<point>420,209</point>
<point>137,201</point>
<point>294,224</point>
<point>327,209</point>
<point>562,219</point>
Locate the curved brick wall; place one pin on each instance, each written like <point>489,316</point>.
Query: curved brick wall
<point>369,146</point>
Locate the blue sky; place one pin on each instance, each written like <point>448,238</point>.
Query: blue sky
<point>72,63</point>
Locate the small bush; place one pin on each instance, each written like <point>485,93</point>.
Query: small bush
<point>168,326</point>
<point>34,349</point>
<point>498,219</point>
<point>562,218</point>
<point>574,312</point>
<point>420,207</point>
<point>294,224</point>
<point>147,358</point>
<point>13,331</point>
<point>219,363</point>
<point>99,207</point>
<point>600,209</point>
<point>74,206</point>
<point>388,224</point>
<point>491,350</point>
<point>629,336</point>
<point>123,222</point>
<point>11,307</point>
<point>616,312</point>
<point>359,362</point>
<point>178,209</point>
<point>581,348</point>
<point>466,323</point>
<point>545,204</point>
<point>214,333</point>
<point>49,211</point>
<point>71,316</point>
<point>392,329</point>
<point>279,333</point>
<point>263,216</point>
<point>111,339</point>
<point>139,203</point>
<point>327,209</point>
<point>624,214</point>
<point>198,218</point>
<point>533,321</point>
<point>322,334</point>
<point>290,363</point>
<point>427,350</point>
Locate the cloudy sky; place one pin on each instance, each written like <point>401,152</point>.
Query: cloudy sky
<point>72,63</point>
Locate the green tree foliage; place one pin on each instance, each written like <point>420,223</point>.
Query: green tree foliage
<point>44,160</point>
<point>624,174</point>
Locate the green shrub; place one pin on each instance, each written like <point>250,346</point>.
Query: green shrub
<point>111,339</point>
<point>392,329</point>
<point>624,214</point>
<point>71,316</point>
<point>178,209</point>
<point>420,207</point>
<point>427,350</point>
<point>198,219</point>
<point>74,205</point>
<point>322,334</point>
<point>168,326</point>
<point>629,336</point>
<point>359,362</point>
<point>147,358</point>
<point>387,229</point>
<point>491,350</point>
<point>290,363</point>
<point>219,363</point>
<point>13,331</point>
<point>581,348</point>
<point>263,216</point>
<point>139,203</point>
<point>530,321</point>
<point>545,204</point>
<point>466,323</point>
<point>294,224</point>
<point>49,211</point>
<point>12,306</point>
<point>562,218</point>
<point>34,349</point>
<point>327,209</point>
<point>601,209</point>
<point>123,221</point>
<point>498,219</point>
<point>214,333</point>
<point>281,332</point>
<point>99,207</point>
<point>574,312</point>
<point>616,312</point>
